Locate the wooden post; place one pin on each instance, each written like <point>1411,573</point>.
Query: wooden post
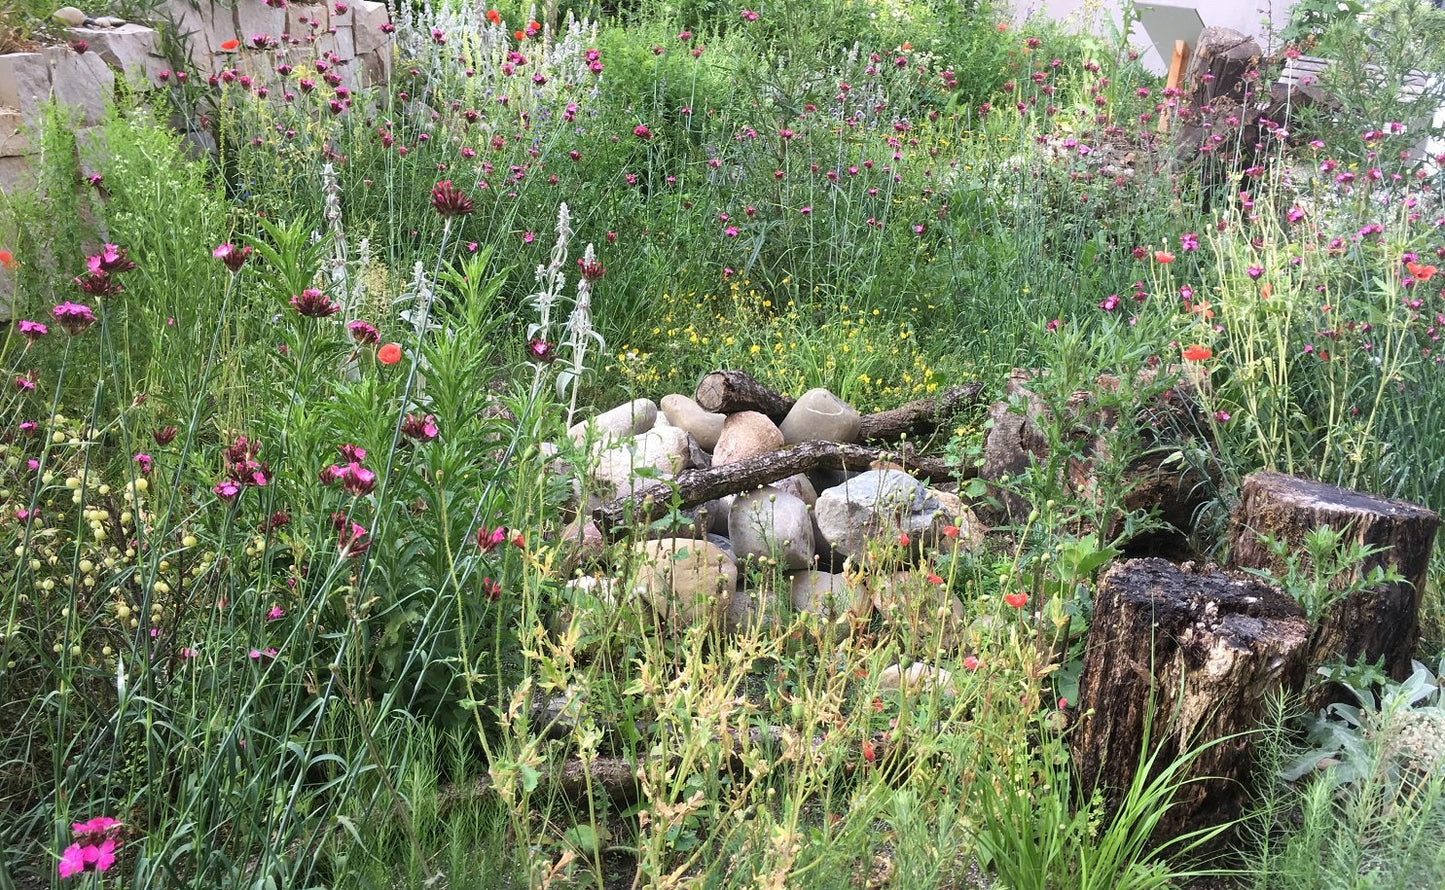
<point>1382,622</point>
<point>1183,657</point>
<point>1176,77</point>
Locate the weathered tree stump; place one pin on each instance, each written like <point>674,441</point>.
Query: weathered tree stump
<point>1177,658</point>
<point>728,392</point>
<point>1382,622</point>
<point>1091,421</point>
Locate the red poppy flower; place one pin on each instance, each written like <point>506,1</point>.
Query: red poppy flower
<point>389,354</point>
<point>7,260</point>
<point>1163,257</point>
<point>870,753</point>
<point>950,531</point>
<point>520,36</point>
<point>230,45</point>
<point>1016,600</point>
<point>1421,273</point>
<point>1196,353</point>
<point>494,17</point>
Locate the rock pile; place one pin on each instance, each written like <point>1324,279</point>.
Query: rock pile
<point>807,535</point>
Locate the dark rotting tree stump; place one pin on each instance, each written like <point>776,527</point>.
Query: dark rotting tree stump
<point>1376,623</point>
<point>1177,658</point>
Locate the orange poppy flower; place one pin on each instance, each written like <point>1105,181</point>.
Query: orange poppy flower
<point>1016,600</point>
<point>520,36</point>
<point>230,45</point>
<point>7,260</point>
<point>1266,291</point>
<point>494,17</point>
<point>1203,309</point>
<point>1197,353</point>
<point>1163,257</point>
<point>389,354</point>
<point>1421,273</point>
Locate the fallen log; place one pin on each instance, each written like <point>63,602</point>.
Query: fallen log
<point>921,417</point>
<point>1380,622</point>
<point>692,487</point>
<point>1176,659</point>
<point>728,392</point>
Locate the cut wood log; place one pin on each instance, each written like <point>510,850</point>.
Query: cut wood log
<point>1373,624</point>
<point>693,487</point>
<point>921,417</point>
<point>1178,658</point>
<point>728,392</point>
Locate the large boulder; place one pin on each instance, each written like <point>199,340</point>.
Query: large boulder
<point>686,582</point>
<point>704,426</point>
<point>746,434</point>
<point>638,461</point>
<point>820,415</point>
<point>878,504</point>
<point>768,523</point>
<point>627,419</point>
<point>832,598</point>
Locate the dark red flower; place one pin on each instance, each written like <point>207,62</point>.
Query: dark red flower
<point>449,201</point>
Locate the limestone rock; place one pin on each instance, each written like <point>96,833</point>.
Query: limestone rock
<point>829,596</point>
<point>367,17</point>
<point>69,16</point>
<point>770,523</point>
<point>917,677</point>
<point>627,419</point>
<point>25,83</point>
<point>685,581</point>
<point>878,503</point>
<point>128,49</point>
<point>705,426</point>
<point>657,452</point>
<point>749,609</point>
<point>820,415</point>
<point>800,487</point>
<point>746,434</point>
<point>82,81</point>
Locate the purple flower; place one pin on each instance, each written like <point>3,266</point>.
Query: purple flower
<point>227,490</point>
<point>74,317</point>
<point>1109,303</point>
<point>144,462</point>
<point>234,257</point>
<point>111,260</point>
<point>312,303</point>
<point>32,330</point>
<point>1189,241</point>
<point>422,429</point>
<point>540,350</point>
<point>363,333</point>
<point>1254,272</point>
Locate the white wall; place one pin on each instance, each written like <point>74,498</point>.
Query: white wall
<point>1258,18</point>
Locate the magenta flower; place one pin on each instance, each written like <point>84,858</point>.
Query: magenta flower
<point>363,333</point>
<point>24,384</point>
<point>1188,241</point>
<point>143,461</point>
<point>449,201</point>
<point>351,452</point>
<point>99,285</point>
<point>275,613</point>
<point>74,317</point>
<point>234,257</point>
<point>422,429</point>
<point>32,330</point>
<point>227,490</point>
<point>1110,303</point>
<point>109,261</point>
<point>312,303</point>
<point>255,654</point>
<point>541,351</point>
<point>488,539</point>
<point>93,849</point>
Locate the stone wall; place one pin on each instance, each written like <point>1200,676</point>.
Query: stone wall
<point>84,82</point>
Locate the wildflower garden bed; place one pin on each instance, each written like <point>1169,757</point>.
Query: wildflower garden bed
<point>776,447</point>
